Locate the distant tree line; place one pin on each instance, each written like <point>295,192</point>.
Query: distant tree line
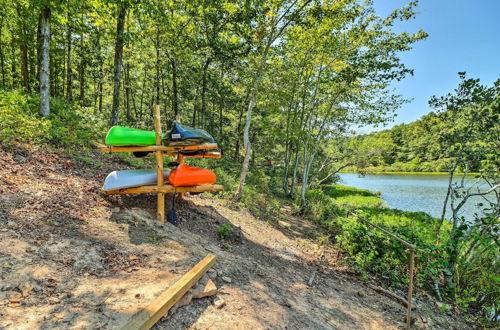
<point>471,116</point>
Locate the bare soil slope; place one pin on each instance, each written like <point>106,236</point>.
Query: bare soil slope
<point>73,258</point>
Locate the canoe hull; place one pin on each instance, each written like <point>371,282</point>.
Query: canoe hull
<point>131,178</point>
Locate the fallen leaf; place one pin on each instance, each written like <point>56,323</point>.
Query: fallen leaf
<point>27,291</point>
<point>132,258</point>
<point>59,315</point>
<point>16,299</point>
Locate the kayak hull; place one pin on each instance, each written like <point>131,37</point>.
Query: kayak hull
<point>125,136</point>
<point>131,178</point>
<point>187,176</point>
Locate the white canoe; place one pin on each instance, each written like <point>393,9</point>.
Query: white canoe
<point>132,178</point>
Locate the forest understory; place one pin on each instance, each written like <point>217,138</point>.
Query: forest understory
<point>74,258</point>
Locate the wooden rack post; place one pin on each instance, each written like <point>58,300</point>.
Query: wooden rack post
<point>180,157</point>
<point>160,210</point>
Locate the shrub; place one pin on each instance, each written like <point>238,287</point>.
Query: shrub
<point>68,125</point>
<point>224,230</point>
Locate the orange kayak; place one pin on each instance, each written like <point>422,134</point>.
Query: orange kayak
<point>186,176</point>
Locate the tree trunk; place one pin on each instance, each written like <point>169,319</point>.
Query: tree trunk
<point>291,191</point>
<point>13,63</point>
<point>136,114</point>
<point>52,64</point>
<point>69,78</point>
<point>44,62</point>
<point>2,60</point>
<point>157,80</point>
<point>443,213</point>
<point>193,119</point>
<point>83,64</point>
<point>100,89</point>
<point>246,132</point>
<point>32,60</point>
<point>308,160</point>
<point>238,129</point>
<point>38,46</point>
<point>143,90</point>
<point>222,101</point>
<point>204,89</point>
<point>118,64</point>
<point>288,151</point>
<point>175,92</point>
<point>127,91</point>
<point>24,63</point>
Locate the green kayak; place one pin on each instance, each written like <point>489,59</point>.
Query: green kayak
<point>124,136</point>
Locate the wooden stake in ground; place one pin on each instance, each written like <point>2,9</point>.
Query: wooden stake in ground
<point>160,213</point>
<point>147,317</point>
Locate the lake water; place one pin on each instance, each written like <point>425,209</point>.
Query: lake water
<point>424,193</point>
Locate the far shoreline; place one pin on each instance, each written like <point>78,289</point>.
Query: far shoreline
<point>407,173</point>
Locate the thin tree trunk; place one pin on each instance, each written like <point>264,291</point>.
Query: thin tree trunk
<point>193,119</point>
<point>13,63</point>
<point>288,151</point>
<point>308,160</point>
<point>135,105</point>
<point>238,129</point>
<point>32,60</point>
<point>204,89</point>
<point>118,64</point>
<point>157,80</point>
<point>53,65</point>
<point>69,74</point>
<point>100,95</point>
<point>101,77</point>
<point>246,132</point>
<point>127,91</point>
<point>2,60</point>
<point>83,64</point>
<point>143,90</point>
<point>44,62</point>
<point>220,119</point>
<point>39,46</point>
<point>175,92</point>
<point>63,73</point>
<point>443,213</point>
<point>23,47</point>
<point>294,176</point>
<point>222,102</point>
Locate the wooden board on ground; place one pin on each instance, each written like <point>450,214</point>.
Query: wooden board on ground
<point>147,317</point>
<point>165,189</point>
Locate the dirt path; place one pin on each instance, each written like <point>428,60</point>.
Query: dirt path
<point>72,258</point>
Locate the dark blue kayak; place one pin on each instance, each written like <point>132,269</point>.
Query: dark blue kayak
<point>183,133</point>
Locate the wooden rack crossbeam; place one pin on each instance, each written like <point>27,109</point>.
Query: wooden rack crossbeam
<point>165,189</point>
<point>210,146</point>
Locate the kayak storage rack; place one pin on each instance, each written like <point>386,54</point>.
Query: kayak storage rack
<point>160,151</point>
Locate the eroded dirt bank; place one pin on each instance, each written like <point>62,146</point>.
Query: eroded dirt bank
<point>73,258</point>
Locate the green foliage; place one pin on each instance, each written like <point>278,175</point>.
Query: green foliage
<point>68,126</point>
<point>369,249</point>
<point>464,127</point>
<point>224,230</point>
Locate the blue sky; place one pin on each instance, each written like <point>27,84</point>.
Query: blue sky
<point>464,35</point>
